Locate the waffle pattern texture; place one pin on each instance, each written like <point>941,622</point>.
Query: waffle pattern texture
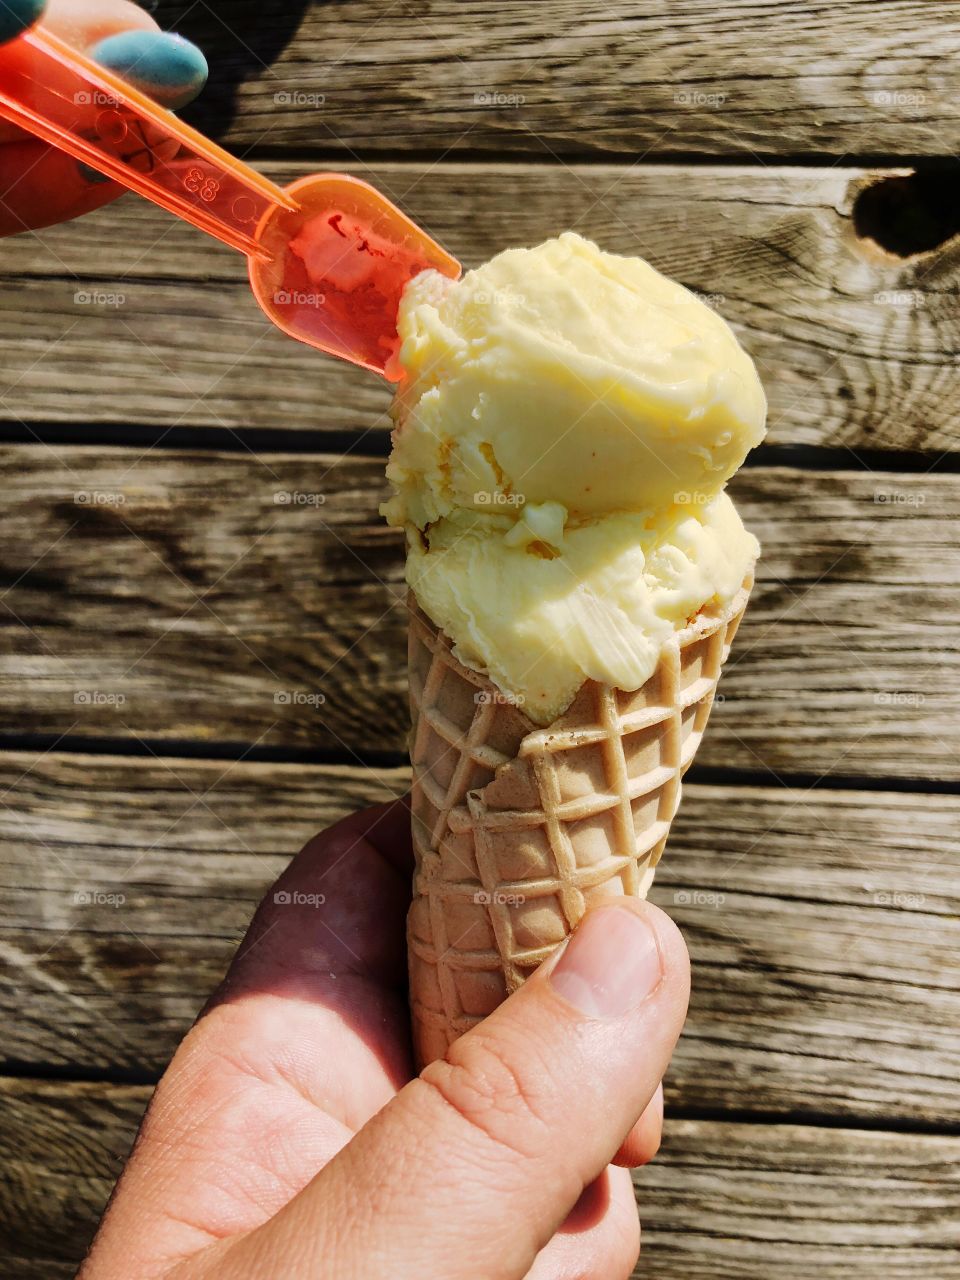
<point>518,829</point>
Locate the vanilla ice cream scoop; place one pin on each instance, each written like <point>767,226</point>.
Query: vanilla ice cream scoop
<point>566,374</point>
<point>565,423</point>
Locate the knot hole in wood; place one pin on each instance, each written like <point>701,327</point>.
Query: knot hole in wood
<point>910,214</point>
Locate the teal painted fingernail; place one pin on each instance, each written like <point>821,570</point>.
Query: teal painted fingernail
<point>168,68</point>
<point>17,15</point>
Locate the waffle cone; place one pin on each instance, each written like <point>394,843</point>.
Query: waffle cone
<point>518,829</point>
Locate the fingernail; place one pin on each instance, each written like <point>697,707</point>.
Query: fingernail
<point>168,68</point>
<point>17,15</point>
<point>610,965</point>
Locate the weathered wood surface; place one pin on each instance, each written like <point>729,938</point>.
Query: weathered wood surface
<point>722,1202</point>
<point>567,78</point>
<point>167,595</point>
<point>191,846</point>
<point>822,925</point>
<point>62,1146</point>
<point>751,1202</point>
<point>856,347</point>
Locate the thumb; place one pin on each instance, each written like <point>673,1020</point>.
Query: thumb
<point>472,1167</point>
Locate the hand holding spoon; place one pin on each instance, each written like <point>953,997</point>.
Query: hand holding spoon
<point>328,256</point>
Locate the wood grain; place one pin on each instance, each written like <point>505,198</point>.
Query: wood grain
<point>151,597</point>
<point>821,924</point>
<point>564,78</point>
<point>167,595</point>
<point>63,1146</point>
<point>721,1202</point>
<point>855,346</point>
<point>738,1202</point>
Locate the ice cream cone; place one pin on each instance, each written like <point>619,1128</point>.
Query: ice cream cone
<point>518,829</point>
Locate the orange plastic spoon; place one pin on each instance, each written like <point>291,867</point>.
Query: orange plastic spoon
<point>328,256</point>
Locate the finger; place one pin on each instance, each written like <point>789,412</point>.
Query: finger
<point>643,1141</point>
<point>160,64</point>
<point>83,25</point>
<point>388,830</point>
<point>83,22</point>
<point>339,908</point>
<point>600,1238</point>
<point>300,1046</point>
<point>40,185</point>
<point>501,1138</point>
<point>326,955</point>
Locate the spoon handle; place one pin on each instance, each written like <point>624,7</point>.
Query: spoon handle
<point>56,93</point>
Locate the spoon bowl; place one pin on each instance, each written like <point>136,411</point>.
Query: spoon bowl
<point>333,268</point>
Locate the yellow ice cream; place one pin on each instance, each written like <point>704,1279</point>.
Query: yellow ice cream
<point>565,424</point>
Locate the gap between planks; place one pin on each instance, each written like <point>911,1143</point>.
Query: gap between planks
<point>35,1074</point>
<point>233,752</point>
<point>372,443</point>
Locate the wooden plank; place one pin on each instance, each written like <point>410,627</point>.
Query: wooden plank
<point>856,347</point>
<point>565,78</point>
<point>747,1202</point>
<point>63,1146</point>
<point>191,846</point>
<point>723,1201</point>
<point>166,595</point>
<point>821,924</point>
